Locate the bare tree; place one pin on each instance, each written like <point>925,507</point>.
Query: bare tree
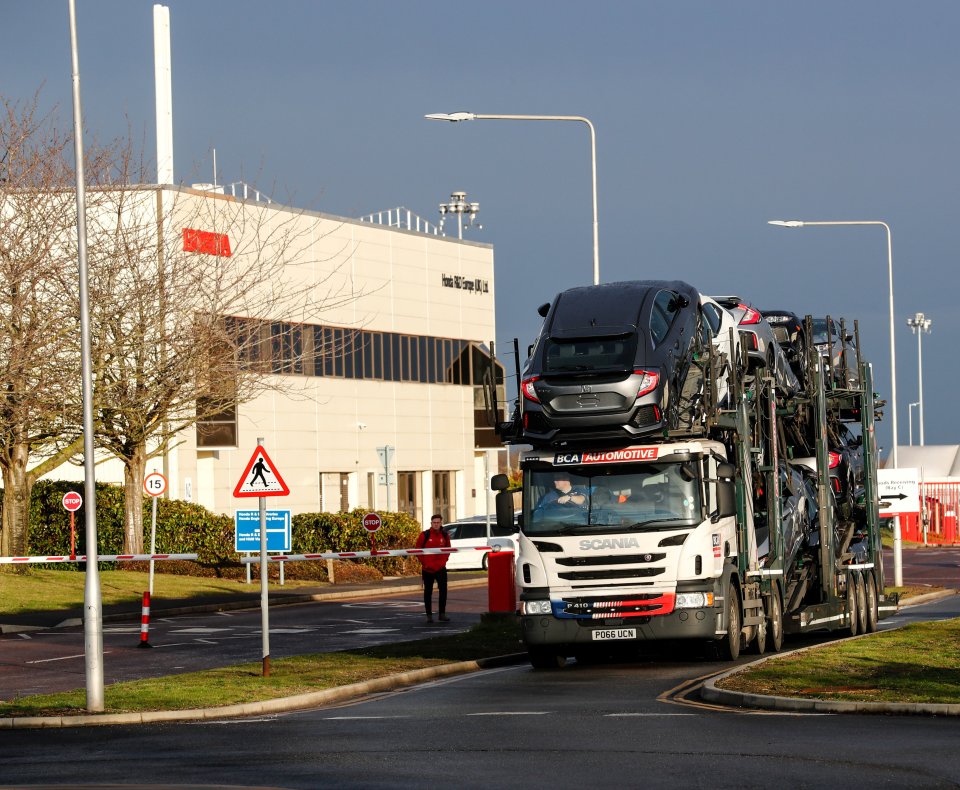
<point>39,364</point>
<point>182,284</point>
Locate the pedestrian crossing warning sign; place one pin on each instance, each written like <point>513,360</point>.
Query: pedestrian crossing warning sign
<point>260,478</point>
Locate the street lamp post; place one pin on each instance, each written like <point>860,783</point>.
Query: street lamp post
<point>918,325</point>
<point>472,116</point>
<point>897,554</point>
<point>910,407</point>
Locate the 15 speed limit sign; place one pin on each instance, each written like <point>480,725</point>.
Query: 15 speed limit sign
<point>155,484</point>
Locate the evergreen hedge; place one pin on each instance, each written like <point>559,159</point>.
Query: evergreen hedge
<point>184,527</point>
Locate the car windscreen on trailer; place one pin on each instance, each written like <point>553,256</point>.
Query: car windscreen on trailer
<point>638,497</point>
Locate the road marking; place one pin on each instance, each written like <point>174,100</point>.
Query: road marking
<point>199,630</point>
<point>25,636</point>
<point>61,658</point>
<point>621,715</point>
<point>362,718</point>
<point>371,631</point>
<point>512,713</point>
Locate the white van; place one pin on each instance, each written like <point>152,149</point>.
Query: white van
<point>468,533</point>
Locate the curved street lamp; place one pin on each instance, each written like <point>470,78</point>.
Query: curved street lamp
<point>795,223</point>
<point>455,117</point>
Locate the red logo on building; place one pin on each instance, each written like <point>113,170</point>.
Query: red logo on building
<point>206,242</point>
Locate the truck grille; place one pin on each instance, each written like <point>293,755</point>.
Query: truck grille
<point>617,559</point>
<point>617,573</point>
<point>636,605</point>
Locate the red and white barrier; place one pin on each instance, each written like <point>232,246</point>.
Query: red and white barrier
<point>145,620</point>
<point>352,555</point>
<point>100,558</point>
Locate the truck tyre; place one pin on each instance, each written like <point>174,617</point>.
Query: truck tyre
<point>759,643</point>
<point>873,603</point>
<point>728,645</point>
<point>546,658</point>
<point>861,603</point>
<point>852,623</point>
<point>775,622</point>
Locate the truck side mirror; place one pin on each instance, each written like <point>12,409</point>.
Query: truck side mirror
<point>543,309</point>
<point>726,491</point>
<point>499,482</point>
<point>505,511</point>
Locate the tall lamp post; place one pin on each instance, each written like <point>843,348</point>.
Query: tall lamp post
<point>472,116</point>
<point>897,547</point>
<point>910,407</point>
<point>918,325</point>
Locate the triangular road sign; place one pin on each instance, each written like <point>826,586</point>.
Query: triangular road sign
<point>260,478</point>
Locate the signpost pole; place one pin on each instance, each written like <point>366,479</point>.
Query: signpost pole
<point>153,540</point>
<point>264,582</point>
<point>73,538</point>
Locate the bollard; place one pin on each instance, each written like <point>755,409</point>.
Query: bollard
<point>145,620</point>
<point>501,584</point>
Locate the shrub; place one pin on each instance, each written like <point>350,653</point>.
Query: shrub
<point>185,527</point>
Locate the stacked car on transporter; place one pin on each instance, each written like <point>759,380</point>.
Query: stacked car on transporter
<point>688,518</point>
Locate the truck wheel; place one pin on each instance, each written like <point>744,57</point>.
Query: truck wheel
<point>758,644</point>
<point>873,603</point>
<point>861,603</point>
<point>729,645</point>
<point>853,625</point>
<point>545,658</point>
<point>775,623</point>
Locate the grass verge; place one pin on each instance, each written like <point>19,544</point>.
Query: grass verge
<point>288,676</point>
<point>31,590</point>
<point>917,663</point>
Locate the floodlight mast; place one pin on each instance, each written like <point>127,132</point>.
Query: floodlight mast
<point>455,117</point>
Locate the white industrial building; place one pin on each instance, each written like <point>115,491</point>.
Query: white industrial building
<point>400,365</point>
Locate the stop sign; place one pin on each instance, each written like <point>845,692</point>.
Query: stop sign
<point>72,501</point>
<point>371,522</point>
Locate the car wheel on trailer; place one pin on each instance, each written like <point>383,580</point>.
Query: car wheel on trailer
<point>775,622</point>
<point>861,603</point>
<point>729,644</point>
<point>873,603</point>
<point>545,658</point>
<point>853,624</point>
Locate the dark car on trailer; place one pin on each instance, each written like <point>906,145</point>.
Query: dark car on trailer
<point>757,336</point>
<point>612,362</point>
<point>789,333</point>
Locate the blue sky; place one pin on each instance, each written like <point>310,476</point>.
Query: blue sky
<point>712,117</point>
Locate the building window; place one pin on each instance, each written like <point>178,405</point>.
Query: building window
<point>216,423</point>
<point>443,495</point>
<point>408,499</point>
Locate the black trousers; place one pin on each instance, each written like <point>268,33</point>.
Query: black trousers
<point>440,577</point>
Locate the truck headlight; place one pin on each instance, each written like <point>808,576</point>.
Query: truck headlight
<point>695,600</point>
<point>535,607</point>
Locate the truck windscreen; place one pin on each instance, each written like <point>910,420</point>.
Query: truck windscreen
<point>635,498</point>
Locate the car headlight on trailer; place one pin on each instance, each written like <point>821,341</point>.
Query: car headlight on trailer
<point>535,607</point>
<point>693,600</point>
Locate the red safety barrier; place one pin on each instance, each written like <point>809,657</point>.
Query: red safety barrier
<point>145,620</point>
<point>501,582</point>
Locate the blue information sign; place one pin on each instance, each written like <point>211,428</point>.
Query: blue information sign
<point>247,534</point>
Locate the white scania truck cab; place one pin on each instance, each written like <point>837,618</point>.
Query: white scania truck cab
<point>648,549</point>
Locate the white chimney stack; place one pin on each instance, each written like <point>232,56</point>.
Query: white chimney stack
<point>164,88</point>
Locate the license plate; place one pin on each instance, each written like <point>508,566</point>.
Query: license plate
<point>614,633</point>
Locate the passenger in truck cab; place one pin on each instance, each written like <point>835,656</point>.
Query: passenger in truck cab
<point>564,492</point>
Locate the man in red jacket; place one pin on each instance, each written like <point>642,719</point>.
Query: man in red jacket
<point>434,567</point>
